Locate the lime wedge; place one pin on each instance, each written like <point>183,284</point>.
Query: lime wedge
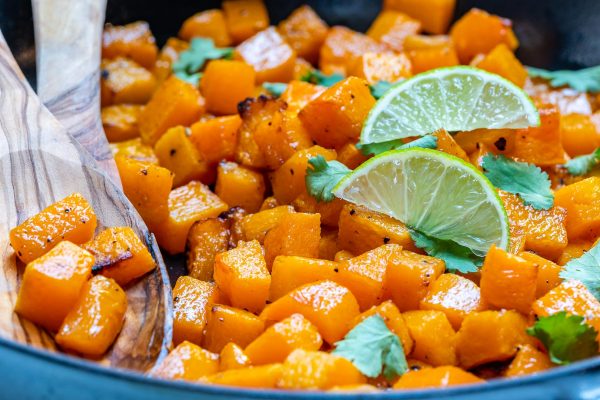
<point>454,98</point>
<point>433,192</point>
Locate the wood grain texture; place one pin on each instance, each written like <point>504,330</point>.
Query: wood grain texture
<point>68,36</point>
<point>41,163</point>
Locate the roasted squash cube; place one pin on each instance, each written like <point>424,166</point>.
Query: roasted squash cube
<point>528,360</point>
<point>230,325</point>
<point>265,376</point>
<point>447,144</point>
<point>232,357</point>
<point>342,47</point>
<point>206,239</point>
<point>329,211</point>
<point>135,149</point>
<point>383,67</point>
<point>394,321</point>
<point>291,272</point>
<point>502,61</point>
<point>256,226</point>
<point>297,94</point>
<point>192,300</point>
<point>425,59</point>
<point>216,138</point>
<point>351,156</point>
<point>163,68</point>
<point>392,27</point>
<point>134,41</point>
<point>435,15</point>
<point>235,78</point>
<point>579,134</point>
<point>207,24</point>
<point>245,18</point>
<point>439,377</point>
<point>305,32</point>
<point>582,202</point>
<point>188,362</point>
<point>120,122</point>
<point>435,349</point>
<point>547,273</point>
<point>296,234</point>
<point>240,186</point>
<point>125,81</point>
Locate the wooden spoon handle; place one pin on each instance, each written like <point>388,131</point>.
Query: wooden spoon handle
<point>68,36</point>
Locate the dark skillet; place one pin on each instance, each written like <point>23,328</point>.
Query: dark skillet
<point>553,34</point>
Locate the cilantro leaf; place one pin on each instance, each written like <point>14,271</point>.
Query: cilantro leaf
<point>191,62</point>
<point>379,89</point>
<point>583,164</point>
<point>318,78</point>
<point>457,257</point>
<point>567,338</point>
<point>322,176</point>
<point>373,349</point>
<point>585,269</point>
<point>583,80</point>
<point>275,88</point>
<point>425,142</point>
<point>525,180</point>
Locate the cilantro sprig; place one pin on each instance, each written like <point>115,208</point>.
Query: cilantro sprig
<point>317,77</point>
<point>456,257</point>
<point>583,164</point>
<point>322,176</point>
<point>275,88</point>
<point>585,269</point>
<point>527,181</point>
<point>379,89</point>
<point>566,337</point>
<point>191,62</point>
<point>373,349</point>
<point>425,142</point>
<point>583,80</point>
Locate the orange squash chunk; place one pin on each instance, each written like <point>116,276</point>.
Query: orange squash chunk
<point>455,296</point>
<point>435,349</point>
<point>282,338</point>
<point>188,362</point>
<point>216,138</point>
<point>256,226</point>
<point>351,156</point>
<point>574,249</point>
<point>502,61</point>
<point>409,275</point>
<point>96,318</point>
<point>178,154</point>
<point>187,204</point>
<point>328,245</point>
<point>296,234</point>
<point>582,202</point>
<point>431,58</point>
<point>242,274</point>
<point>206,239</point>
<point>508,281</point>
<point>134,41</point>
<point>329,306</point>
<point>419,42</point>
<point>329,211</point>
<point>541,145</point>
<point>362,230</point>
<point>435,15</point>
<point>230,325</point>
<point>305,32</point>
<point>478,32</point>
<point>387,67</point>
<point>317,370</point>
<point>439,377</point>
<point>147,186</point>
<point>235,78</point>
<point>240,186</point>
<point>71,218</point>
<point>167,57</point>
<point>289,180</point>
<point>490,336</point>
<point>291,272</point>
<point>232,357</point>
<point>124,81</point>
<point>579,134</point>
<point>175,102</point>
<point>391,28</point>
<point>245,18</point>
<point>270,56</point>
<point>120,254</point>
<point>342,255</point>
<point>120,122</point>
<point>255,112</point>
<point>297,94</point>
<point>447,144</point>
<point>365,274</point>
<point>528,360</point>
<point>52,283</point>
<point>135,149</point>
<point>192,300</point>
<point>337,115</point>
<point>265,376</point>
<point>207,24</point>
<point>573,298</point>
<point>342,47</point>
<point>394,321</point>
<point>548,273</point>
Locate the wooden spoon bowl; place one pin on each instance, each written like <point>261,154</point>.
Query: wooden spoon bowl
<point>40,163</point>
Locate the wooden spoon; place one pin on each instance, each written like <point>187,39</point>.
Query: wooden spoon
<point>41,163</point>
<point>68,36</point>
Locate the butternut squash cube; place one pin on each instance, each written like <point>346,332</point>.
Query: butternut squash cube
<point>455,296</point>
<point>317,370</point>
<point>120,254</point>
<point>547,273</point>
<point>329,306</point>
<point>178,154</point>
<point>216,138</point>
<point>328,245</point>
<point>125,81</point>
<point>392,27</point>
<point>230,325</point>
<point>269,54</point>
<point>394,321</point>
<point>337,115</point>
<point>528,360</point>
<point>329,211</point>
<point>192,300</point>
<point>386,67</point>
<point>135,149</point>
<point>187,204</point>
<point>134,41</point>
<point>256,226</point>
<point>579,134</point>
<point>188,362</point>
<point>51,284</point>
<point>426,59</point>
<point>245,18</point>
<point>282,338</point>
<point>296,234</point>
<point>305,31</point>
<point>435,349</point>
<point>206,239</point>
<point>574,249</point>
<point>71,218</point>
<point>208,24</point>
<point>342,47</point>
<point>299,93</point>
<point>342,255</point>
<point>120,122</point>
<point>351,156</point>
<point>235,78</point>
<point>232,357</point>
<point>439,377</point>
<point>265,376</point>
<point>242,274</point>
<point>240,186</point>
<point>508,281</point>
<point>163,68</point>
<point>582,202</point>
<point>435,15</point>
<point>175,102</point>
<point>291,272</point>
<point>447,144</point>
<point>502,61</point>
